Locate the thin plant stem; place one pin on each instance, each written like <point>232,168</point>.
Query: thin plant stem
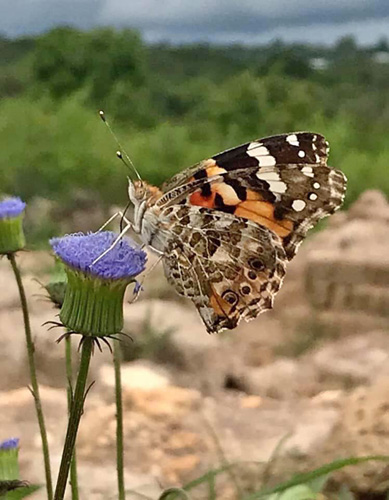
<point>33,376</point>
<point>69,376</point>
<point>222,457</point>
<point>74,417</point>
<point>117,358</point>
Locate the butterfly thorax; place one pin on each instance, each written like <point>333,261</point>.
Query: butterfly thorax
<point>148,222</point>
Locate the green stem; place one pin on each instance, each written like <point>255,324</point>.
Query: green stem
<point>33,376</point>
<point>117,357</point>
<point>74,418</point>
<point>69,376</point>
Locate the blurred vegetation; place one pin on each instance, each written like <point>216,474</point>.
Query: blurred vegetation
<point>172,106</point>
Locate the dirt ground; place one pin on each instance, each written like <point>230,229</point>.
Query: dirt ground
<point>312,374</point>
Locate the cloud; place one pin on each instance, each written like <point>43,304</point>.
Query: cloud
<point>245,15</point>
<point>20,17</point>
<point>209,20</point>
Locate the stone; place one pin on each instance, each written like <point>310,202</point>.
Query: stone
<point>140,374</point>
<point>362,429</point>
<point>182,339</point>
<point>283,379</point>
<point>354,360</point>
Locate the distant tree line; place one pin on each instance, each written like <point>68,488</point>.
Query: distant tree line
<point>174,105</point>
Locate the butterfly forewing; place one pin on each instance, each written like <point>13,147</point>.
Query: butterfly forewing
<point>298,147</point>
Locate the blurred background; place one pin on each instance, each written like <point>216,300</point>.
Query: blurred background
<point>180,81</point>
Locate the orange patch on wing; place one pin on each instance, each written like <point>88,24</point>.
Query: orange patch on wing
<point>227,192</point>
<point>215,170</point>
<point>252,195</point>
<point>219,305</point>
<point>208,163</point>
<point>262,212</point>
<point>211,168</point>
<point>199,200</point>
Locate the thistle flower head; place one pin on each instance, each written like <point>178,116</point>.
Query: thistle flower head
<point>9,444</point>
<point>93,303</point>
<point>80,250</point>
<point>11,207</point>
<point>9,467</point>
<point>11,230</point>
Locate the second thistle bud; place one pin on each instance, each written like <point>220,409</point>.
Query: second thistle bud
<point>11,225</point>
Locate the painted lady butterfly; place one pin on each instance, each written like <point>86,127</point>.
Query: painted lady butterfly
<point>226,227</point>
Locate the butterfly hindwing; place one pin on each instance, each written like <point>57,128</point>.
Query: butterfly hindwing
<point>230,267</point>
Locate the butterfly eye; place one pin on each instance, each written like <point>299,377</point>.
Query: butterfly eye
<point>256,264</point>
<point>230,297</point>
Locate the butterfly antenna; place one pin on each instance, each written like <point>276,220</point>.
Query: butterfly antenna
<point>125,159</point>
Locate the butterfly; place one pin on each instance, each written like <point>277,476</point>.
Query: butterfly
<point>226,227</point>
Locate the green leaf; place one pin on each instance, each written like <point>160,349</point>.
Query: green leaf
<point>174,493</point>
<point>22,492</point>
<point>300,492</point>
<point>312,475</point>
<point>317,484</point>
<point>205,478</point>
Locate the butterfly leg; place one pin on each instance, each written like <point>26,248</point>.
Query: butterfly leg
<point>114,216</point>
<point>127,228</point>
<point>139,284</point>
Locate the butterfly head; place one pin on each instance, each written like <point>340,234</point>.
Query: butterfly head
<point>143,196</point>
<point>140,192</point>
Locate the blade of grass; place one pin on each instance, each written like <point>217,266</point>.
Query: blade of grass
<point>273,457</point>
<point>211,488</point>
<point>222,457</point>
<point>321,471</point>
<point>174,491</point>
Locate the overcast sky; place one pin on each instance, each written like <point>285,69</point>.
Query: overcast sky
<point>221,21</point>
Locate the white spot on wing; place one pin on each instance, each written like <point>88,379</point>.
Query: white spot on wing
<point>258,151</point>
<point>301,154</point>
<point>274,181</point>
<point>298,205</point>
<point>266,161</point>
<point>292,139</point>
<point>312,196</point>
<point>316,185</point>
<point>308,171</point>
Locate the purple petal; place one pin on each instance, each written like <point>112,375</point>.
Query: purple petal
<point>9,444</point>
<point>80,250</point>
<point>11,207</point>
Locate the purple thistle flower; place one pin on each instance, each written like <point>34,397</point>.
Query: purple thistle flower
<point>93,302</point>
<point>9,444</point>
<point>79,250</point>
<point>11,225</point>
<point>11,207</point>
